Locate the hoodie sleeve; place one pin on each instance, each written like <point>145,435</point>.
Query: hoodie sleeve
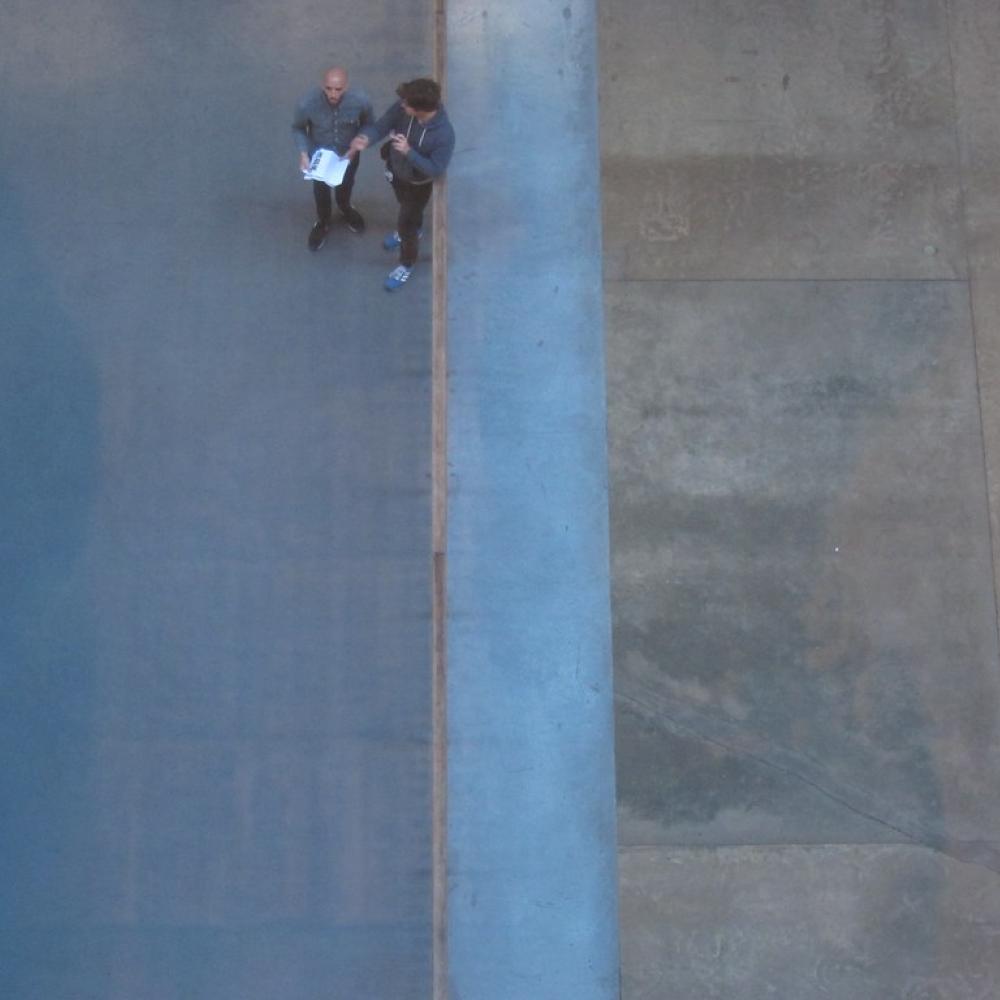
<point>380,129</point>
<point>436,161</point>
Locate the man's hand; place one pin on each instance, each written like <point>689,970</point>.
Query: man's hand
<point>400,143</point>
<point>358,143</point>
<point>303,162</point>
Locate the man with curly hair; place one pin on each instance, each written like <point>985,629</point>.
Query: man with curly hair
<point>421,141</point>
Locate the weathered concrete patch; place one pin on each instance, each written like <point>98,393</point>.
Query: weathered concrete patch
<point>865,922</point>
<point>804,631</point>
<point>778,140</point>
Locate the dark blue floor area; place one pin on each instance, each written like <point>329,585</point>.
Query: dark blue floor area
<point>214,649</point>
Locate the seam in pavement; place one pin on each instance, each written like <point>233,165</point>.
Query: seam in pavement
<point>439,523</point>
<point>780,845</point>
<point>776,281</point>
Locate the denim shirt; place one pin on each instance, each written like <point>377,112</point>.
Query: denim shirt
<point>318,124</point>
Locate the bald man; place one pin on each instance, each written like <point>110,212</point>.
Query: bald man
<point>329,117</point>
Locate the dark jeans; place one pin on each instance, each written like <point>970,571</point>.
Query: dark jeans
<point>412,200</point>
<point>321,192</point>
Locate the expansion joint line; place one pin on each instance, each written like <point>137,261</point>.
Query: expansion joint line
<point>439,534</point>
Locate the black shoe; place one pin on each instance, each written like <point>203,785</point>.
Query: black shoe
<point>355,222</point>
<point>317,235</point>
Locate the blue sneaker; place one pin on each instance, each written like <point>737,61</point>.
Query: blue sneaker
<point>392,241</point>
<point>397,278</point>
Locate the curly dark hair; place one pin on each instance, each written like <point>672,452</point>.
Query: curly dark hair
<point>421,94</point>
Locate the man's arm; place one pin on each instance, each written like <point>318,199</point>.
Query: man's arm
<point>378,130</point>
<point>300,134</point>
<point>437,159</point>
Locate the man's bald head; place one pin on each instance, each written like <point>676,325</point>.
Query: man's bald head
<point>335,83</point>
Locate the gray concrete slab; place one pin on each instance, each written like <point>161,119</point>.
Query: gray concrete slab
<point>805,635</point>
<point>776,139</point>
<point>805,620</point>
<point>531,834</point>
<point>857,922</point>
<point>216,643</point>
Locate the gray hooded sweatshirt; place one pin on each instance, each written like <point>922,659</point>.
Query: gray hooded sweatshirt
<point>431,144</point>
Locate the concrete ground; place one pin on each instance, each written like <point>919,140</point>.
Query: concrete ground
<point>222,741</point>
<point>802,264</point>
<point>217,463</point>
<point>216,509</point>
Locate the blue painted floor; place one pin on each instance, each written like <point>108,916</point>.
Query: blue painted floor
<point>215,499</point>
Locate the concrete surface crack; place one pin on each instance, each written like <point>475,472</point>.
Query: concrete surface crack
<point>982,854</point>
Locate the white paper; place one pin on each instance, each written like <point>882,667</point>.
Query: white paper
<point>328,167</point>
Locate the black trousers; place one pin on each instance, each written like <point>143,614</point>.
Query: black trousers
<point>412,200</point>
<point>321,193</point>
